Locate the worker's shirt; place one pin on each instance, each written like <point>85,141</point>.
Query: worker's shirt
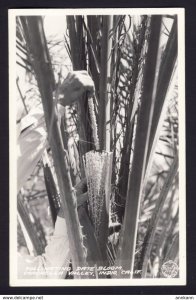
<point>32,141</point>
<point>54,263</point>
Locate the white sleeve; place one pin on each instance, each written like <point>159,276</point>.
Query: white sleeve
<point>31,142</point>
<point>54,263</point>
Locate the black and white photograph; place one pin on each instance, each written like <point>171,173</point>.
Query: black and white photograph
<point>97,147</point>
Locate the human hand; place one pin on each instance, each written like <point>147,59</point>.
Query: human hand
<point>81,195</point>
<point>73,87</point>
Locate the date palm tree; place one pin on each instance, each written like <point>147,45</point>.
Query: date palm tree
<point>133,76</point>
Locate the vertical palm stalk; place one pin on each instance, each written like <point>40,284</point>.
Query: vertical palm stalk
<point>53,196</point>
<point>148,240</point>
<point>126,253</point>
<point>27,218</point>
<point>127,142</point>
<point>77,48</point>
<point>90,242</point>
<point>104,100</point>
<point>36,40</point>
<point>172,253</point>
<point>165,75</point>
<point>104,120</point>
<point>94,51</point>
<point>21,96</point>
<point>98,174</point>
<point>73,42</point>
<point>169,238</point>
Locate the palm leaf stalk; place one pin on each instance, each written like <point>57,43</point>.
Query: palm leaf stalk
<point>90,242</point>
<point>148,240</point>
<point>73,42</point>
<point>162,237</point>
<point>92,45</point>
<point>165,76</point>
<point>98,174</point>
<point>21,96</point>
<point>53,195</point>
<point>104,101</point>
<point>94,255</point>
<point>170,234</point>
<point>21,52</point>
<point>21,236</point>
<point>127,142</point>
<point>126,253</point>
<point>77,48</point>
<point>104,120</point>
<point>173,250</point>
<point>38,244</point>
<point>36,41</point>
<point>94,49</point>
